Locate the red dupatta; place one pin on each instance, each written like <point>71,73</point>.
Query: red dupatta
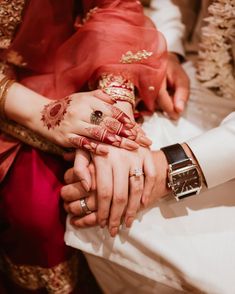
<point>54,57</point>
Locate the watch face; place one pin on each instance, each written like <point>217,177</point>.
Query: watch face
<point>186,181</point>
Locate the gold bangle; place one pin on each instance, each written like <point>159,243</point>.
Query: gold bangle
<point>3,95</point>
<point>120,94</point>
<point>3,81</point>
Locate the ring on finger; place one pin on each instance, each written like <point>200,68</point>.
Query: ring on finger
<point>96,117</point>
<point>138,172</point>
<point>84,207</point>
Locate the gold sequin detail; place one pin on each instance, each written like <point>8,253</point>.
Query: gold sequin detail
<point>87,17</point>
<point>130,57</point>
<point>60,279</point>
<point>151,88</point>
<point>10,17</point>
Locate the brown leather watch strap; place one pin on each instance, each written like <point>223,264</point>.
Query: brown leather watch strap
<point>174,153</point>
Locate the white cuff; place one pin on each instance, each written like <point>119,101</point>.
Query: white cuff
<point>215,152</point>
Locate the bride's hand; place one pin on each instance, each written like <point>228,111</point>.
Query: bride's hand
<point>79,120</point>
<point>82,120</point>
<point>119,189</point>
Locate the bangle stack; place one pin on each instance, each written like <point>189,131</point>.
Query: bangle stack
<point>118,88</point>
<point>5,84</point>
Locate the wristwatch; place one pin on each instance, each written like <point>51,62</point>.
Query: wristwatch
<point>184,177</point>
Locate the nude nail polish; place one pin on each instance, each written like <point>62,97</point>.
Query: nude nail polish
<point>129,221</point>
<point>131,145</point>
<point>113,231</point>
<point>145,140</point>
<point>103,223</point>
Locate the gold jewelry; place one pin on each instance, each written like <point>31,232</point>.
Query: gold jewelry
<point>3,81</point>
<point>5,85</point>
<point>118,88</point>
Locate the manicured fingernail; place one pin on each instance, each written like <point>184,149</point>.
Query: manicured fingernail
<point>145,140</point>
<point>180,105</point>
<point>103,223</point>
<point>128,122</point>
<point>131,145</point>
<point>85,185</point>
<point>129,221</point>
<point>113,231</point>
<point>103,149</point>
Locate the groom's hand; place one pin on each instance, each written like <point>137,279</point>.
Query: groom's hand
<point>174,92</point>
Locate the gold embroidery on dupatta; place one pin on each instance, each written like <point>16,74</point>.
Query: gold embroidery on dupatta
<point>60,279</point>
<point>10,17</point>
<point>87,16</point>
<point>130,57</point>
<point>117,87</point>
<point>15,58</point>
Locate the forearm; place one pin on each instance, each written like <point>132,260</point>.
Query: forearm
<point>23,105</point>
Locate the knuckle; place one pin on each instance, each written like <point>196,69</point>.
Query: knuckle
<point>103,214</point>
<point>136,188</point>
<point>72,209</point>
<point>65,192</point>
<point>152,177</point>
<point>131,212</point>
<point>119,199</point>
<point>105,197</point>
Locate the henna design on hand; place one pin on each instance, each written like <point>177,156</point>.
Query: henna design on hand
<point>103,135</point>
<point>84,143</point>
<point>121,116</point>
<point>54,112</point>
<point>114,126</point>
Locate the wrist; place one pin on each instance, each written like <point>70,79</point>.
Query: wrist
<point>161,164</point>
<point>24,106</point>
<point>190,154</point>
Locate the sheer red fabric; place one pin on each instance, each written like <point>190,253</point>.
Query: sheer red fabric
<point>59,58</point>
<point>63,47</point>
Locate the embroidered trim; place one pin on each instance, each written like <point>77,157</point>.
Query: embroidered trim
<point>60,279</point>
<point>29,137</point>
<point>117,87</point>
<point>79,23</point>
<point>10,17</point>
<point>130,57</point>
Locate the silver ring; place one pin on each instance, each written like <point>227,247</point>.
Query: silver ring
<point>138,172</point>
<point>84,206</point>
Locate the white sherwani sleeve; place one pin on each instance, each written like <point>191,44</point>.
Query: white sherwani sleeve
<point>215,152</point>
<point>167,18</point>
